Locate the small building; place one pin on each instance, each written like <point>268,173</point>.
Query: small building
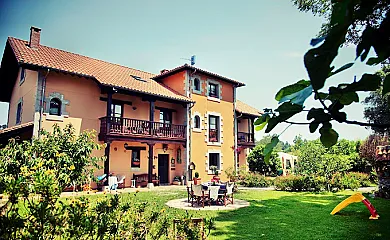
<point>289,162</point>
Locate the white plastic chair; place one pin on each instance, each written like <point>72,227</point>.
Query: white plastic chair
<point>121,180</point>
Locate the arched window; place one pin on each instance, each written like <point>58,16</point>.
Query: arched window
<point>196,84</point>
<point>55,107</point>
<point>197,122</point>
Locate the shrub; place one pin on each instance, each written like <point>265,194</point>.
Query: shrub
<point>289,183</point>
<point>254,180</point>
<point>351,180</point>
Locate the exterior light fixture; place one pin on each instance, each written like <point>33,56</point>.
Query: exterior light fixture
<point>165,147</point>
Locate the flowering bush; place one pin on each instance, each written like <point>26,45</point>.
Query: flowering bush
<point>33,175</point>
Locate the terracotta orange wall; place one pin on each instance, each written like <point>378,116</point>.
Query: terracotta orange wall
<point>243,155</point>
<point>120,160</point>
<point>27,91</point>
<point>227,88</point>
<point>243,125</point>
<point>176,82</point>
<point>83,96</point>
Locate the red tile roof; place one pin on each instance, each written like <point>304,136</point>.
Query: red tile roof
<point>16,127</point>
<point>186,66</point>
<point>106,73</point>
<point>246,109</point>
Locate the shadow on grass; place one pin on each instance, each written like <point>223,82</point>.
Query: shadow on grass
<point>302,216</point>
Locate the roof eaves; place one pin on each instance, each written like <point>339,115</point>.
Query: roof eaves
<point>186,66</point>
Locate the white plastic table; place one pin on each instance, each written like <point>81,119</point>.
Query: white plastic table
<point>112,182</point>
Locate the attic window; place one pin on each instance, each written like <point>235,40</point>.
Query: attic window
<point>138,78</point>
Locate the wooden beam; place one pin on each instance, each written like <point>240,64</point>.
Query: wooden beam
<point>117,101</point>
<point>150,165</point>
<point>107,161</point>
<point>165,109</point>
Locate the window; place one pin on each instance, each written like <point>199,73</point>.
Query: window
<point>19,113</point>
<point>22,75</point>
<point>116,110</point>
<point>165,116</point>
<point>196,84</point>
<point>214,160</point>
<point>135,158</point>
<point>213,128</point>
<point>197,122</point>
<point>55,107</point>
<point>213,90</point>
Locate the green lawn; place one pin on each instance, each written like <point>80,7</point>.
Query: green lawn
<point>284,215</point>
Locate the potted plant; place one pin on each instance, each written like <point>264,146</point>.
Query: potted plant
<point>176,180</point>
<point>197,178</point>
<point>214,169</point>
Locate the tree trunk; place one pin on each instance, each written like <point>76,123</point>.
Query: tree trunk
<point>384,188</point>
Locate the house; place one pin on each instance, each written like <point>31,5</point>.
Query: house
<point>289,163</point>
<point>151,123</point>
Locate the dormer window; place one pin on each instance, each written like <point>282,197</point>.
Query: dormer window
<point>55,107</point>
<point>196,84</point>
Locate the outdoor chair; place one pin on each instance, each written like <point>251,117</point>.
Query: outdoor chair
<point>213,190</point>
<point>190,194</point>
<point>121,181</point>
<point>199,195</point>
<point>229,193</point>
<point>101,180</point>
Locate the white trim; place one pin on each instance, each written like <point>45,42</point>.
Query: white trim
<point>194,129</point>
<point>207,129</point>
<point>213,99</point>
<point>220,167</point>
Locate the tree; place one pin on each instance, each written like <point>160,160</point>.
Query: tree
<point>374,18</point>
<point>323,8</point>
<point>257,164</point>
<point>377,110</point>
<point>368,147</point>
<point>280,147</point>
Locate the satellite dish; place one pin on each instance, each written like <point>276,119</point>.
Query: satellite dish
<point>192,60</point>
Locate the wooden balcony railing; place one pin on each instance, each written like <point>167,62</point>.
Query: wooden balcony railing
<point>116,126</point>
<point>245,138</point>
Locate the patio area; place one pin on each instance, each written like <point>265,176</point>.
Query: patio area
<point>184,204</point>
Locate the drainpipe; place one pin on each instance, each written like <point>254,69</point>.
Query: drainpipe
<point>235,128</point>
<point>41,102</point>
<point>188,122</point>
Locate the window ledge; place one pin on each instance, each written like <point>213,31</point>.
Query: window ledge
<point>54,118</point>
<point>133,169</point>
<point>213,99</point>
<point>197,130</point>
<point>213,144</point>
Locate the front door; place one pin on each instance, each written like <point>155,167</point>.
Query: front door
<point>163,167</point>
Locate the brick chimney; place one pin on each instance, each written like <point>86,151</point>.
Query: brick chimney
<point>35,37</point>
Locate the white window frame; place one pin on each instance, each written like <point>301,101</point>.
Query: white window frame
<point>200,84</point>
<point>220,130</point>
<point>194,129</point>
<point>219,86</point>
<point>220,162</point>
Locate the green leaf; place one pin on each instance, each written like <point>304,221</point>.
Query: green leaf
<point>313,126</point>
<point>346,66</point>
<point>267,158</point>
<point>328,137</point>
<point>386,85</point>
<point>286,110</point>
<point>270,146</point>
<point>290,89</point>
<point>372,61</point>
<point>298,97</point>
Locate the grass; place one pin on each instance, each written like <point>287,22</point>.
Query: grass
<point>285,215</point>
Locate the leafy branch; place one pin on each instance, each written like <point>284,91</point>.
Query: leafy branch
<point>344,16</point>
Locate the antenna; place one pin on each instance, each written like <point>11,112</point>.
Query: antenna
<point>192,60</point>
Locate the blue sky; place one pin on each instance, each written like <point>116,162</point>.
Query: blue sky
<point>260,43</point>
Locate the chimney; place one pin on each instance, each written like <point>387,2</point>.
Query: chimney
<point>164,71</point>
<point>35,36</point>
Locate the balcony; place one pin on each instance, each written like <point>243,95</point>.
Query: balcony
<point>126,128</point>
<point>246,139</point>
